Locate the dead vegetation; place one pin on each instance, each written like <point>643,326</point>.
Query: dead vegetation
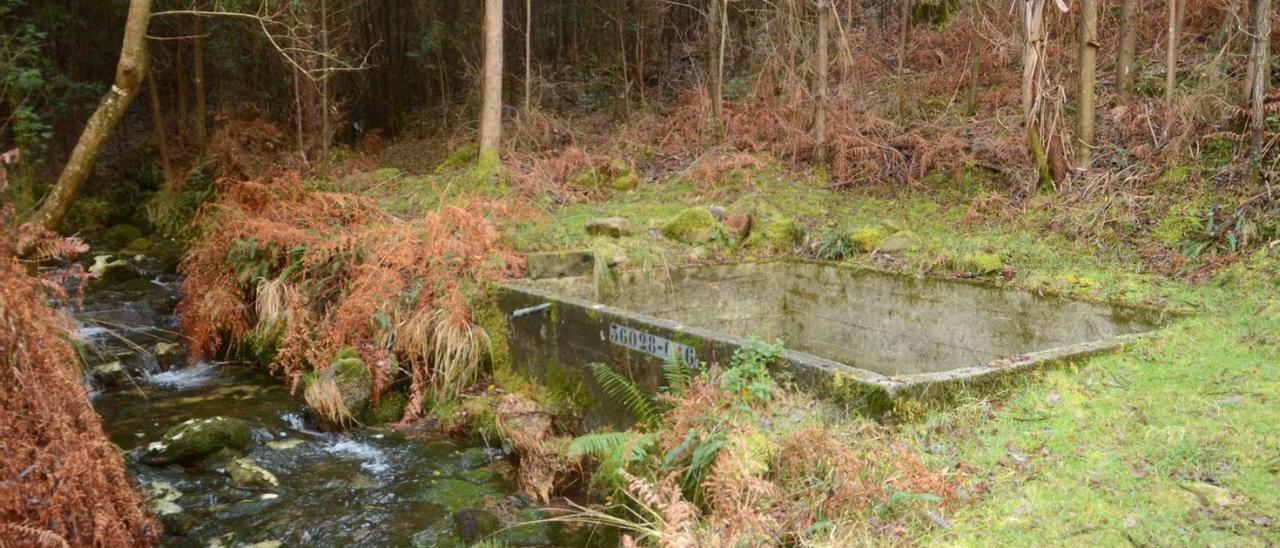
<point>64,482</point>
<point>309,272</point>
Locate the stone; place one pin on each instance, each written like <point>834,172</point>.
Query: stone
<point>867,238</point>
<point>718,212</point>
<point>454,494</point>
<point>120,236</point>
<point>195,439</point>
<point>109,375</point>
<point>247,474</point>
<point>613,227</point>
<point>559,264</point>
<point>693,226</point>
<point>774,232</point>
<point>903,240</point>
<point>981,264</point>
<point>353,383</point>
<point>104,270</point>
<point>473,524</point>
<point>739,224</point>
<point>1209,494</point>
<point>169,355</point>
<point>285,444</point>
<point>389,409</point>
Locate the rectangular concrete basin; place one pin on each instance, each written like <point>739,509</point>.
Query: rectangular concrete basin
<point>862,337</point>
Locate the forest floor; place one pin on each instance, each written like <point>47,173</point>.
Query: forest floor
<point>1173,437</point>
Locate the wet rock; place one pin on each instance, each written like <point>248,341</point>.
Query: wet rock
<point>613,227</point>
<point>285,444</point>
<point>692,226</point>
<point>106,271</point>
<point>454,494</point>
<point>169,355</point>
<point>473,524</point>
<point>195,439</point>
<point>247,474</point>
<point>899,242</point>
<point>341,392</point>
<point>109,375</point>
<point>390,408</point>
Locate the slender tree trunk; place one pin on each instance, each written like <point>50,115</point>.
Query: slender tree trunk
<point>1032,73</point>
<point>1171,60</point>
<point>491,103</point>
<point>1260,61</point>
<point>326,137</point>
<point>528,56</point>
<point>202,109</point>
<point>714,67</point>
<point>975,65</point>
<point>1128,49</point>
<point>129,74</point>
<point>158,127</point>
<point>180,83</point>
<point>1088,68</point>
<point>820,116</point>
<point>904,32</point>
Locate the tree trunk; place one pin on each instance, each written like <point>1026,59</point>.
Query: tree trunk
<point>129,74</point>
<point>528,56</point>
<point>975,63</point>
<point>820,116</point>
<point>1088,67</point>
<point>1032,73</point>
<point>715,70</point>
<point>158,128</point>
<point>904,30</point>
<point>1260,61</point>
<point>491,102</point>
<point>202,109</point>
<point>1128,49</point>
<point>1171,61</point>
<point>326,137</point>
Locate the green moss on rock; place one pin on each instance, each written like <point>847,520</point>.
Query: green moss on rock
<point>694,225</point>
<point>120,236</point>
<point>389,409</point>
<point>196,439</point>
<point>981,264</point>
<point>774,232</point>
<point>867,238</point>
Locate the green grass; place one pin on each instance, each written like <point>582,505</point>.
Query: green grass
<point>1108,450</point>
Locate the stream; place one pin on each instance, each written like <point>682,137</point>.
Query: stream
<point>368,487</point>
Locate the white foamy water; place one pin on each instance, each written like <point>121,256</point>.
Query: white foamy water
<point>372,459</point>
<point>186,377</point>
<point>90,332</point>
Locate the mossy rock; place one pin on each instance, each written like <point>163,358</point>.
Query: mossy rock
<point>867,238</point>
<point>109,375</point>
<point>900,241</point>
<point>138,246</point>
<point>774,232</point>
<point>624,183</point>
<point>693,226</point>
<point>119,236</point>
<point>354,383</point>
<point>454,494</point>
<point>195,439</point>
<point>462,157</point>
<point>247,474</point>
<point>389,409</point>
<point>474,524</point>
<point>981,264</point>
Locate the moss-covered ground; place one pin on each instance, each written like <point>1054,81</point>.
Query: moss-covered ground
<point>1173,440</point>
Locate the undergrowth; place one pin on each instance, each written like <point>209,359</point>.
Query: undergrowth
<point>310,272</point>
<point>734,457</point>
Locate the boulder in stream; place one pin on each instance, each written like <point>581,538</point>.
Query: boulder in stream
<point>246,474</point>
<point>196,439</point>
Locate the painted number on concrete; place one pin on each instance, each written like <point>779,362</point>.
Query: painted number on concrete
<point>652,345</point>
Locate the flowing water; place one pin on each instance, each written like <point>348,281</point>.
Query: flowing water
<point>370,487</point>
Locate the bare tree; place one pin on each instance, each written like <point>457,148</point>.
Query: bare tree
<point>820,114</point>
<point>1032,85</point>
<point>491,101</point>
<point>130,71</point>
<point>1176,8</point>
<point>1128,49</point>
<point>1260,71</point>
<point>717,19</point>
<point>1088,69</point>
<point>202,109</point>
<point>158,127</point>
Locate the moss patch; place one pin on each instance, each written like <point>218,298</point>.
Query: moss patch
<point>694,225</point>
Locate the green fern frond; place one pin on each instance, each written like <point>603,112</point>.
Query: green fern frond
<point>677,374</point>
<point>598,444</point>
<point>618,386</point>
<point>702,458</point>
